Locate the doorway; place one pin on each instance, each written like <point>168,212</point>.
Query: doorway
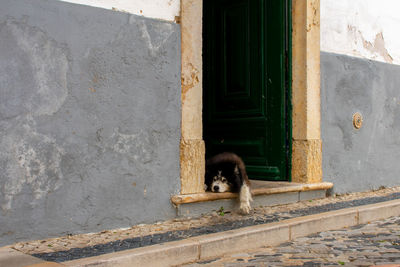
<point>246,92</point>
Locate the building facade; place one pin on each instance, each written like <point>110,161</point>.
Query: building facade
<point>101,106</point>
<point>359,74</point>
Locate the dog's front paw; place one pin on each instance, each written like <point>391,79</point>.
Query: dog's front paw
<point>245,207</point>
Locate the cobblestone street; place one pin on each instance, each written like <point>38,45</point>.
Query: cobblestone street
<point>72,247</point>
<point>376,243</point>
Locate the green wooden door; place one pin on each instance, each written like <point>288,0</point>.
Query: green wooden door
<point>244,84</point>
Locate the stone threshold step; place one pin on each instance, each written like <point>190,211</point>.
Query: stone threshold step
<point>264,193</point>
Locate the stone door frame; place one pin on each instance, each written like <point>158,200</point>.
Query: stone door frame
<point>306,116</point>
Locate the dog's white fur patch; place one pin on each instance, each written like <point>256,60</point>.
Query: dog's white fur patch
<point>222,187</point>
<point>245,198</point>
<point>221,183</point>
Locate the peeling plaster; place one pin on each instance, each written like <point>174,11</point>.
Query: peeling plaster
<point>33,84</point>
<point>376,48</point>
<point>190,77</point>
<point>379,47</point>
<point>315,22</point>
<point>137,147</point>
<point>63,160</point>
<point>361,28</point>
<point>163,32</point>
<point>41,59</point>
<point>32,162</point>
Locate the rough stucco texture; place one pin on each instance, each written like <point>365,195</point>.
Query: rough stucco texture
<point>363,159</point>
<point>89,119</point>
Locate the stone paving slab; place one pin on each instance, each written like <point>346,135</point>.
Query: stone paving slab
<point>375,243</point>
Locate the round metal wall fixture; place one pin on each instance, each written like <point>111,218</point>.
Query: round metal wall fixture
<point>357,120</point>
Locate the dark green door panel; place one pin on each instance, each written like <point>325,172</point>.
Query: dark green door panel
<point>244,83</point>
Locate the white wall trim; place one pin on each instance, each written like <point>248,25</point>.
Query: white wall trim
<point>158,9</point>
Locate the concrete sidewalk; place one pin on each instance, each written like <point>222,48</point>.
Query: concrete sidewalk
<point>214,245</point>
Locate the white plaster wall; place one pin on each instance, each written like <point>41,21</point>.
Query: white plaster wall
<point>362,28</point>
<point>158,9</point>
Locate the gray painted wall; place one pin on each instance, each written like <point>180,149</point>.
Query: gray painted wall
<point>89,119</point>
<point>359,160</point>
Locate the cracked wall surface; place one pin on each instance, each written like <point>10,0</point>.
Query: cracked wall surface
<point>89,119</point>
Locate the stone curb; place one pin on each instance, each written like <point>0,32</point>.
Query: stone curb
<point>215,245</point>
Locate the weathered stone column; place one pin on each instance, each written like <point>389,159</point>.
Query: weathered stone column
<point>192,144</point>
<point>307,145</point>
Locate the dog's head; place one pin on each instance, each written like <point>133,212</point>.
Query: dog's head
<point>220,183</point>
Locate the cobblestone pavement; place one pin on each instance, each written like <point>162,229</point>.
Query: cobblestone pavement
<point>158,238</point>
<point>376,243</point>
<point>68,242</point>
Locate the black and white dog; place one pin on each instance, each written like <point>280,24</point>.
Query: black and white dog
<point>226,172</point>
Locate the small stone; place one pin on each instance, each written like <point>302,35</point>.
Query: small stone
<point>319,248</point>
